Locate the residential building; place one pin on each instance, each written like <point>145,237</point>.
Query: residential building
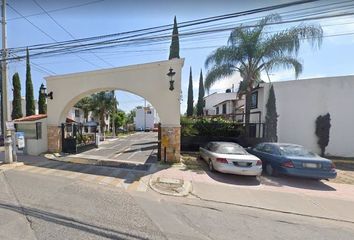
<point>226,104</point>
<point>300,102</point>
<point>145,118</point>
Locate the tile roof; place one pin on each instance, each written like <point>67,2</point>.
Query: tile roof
<point>31,118</point>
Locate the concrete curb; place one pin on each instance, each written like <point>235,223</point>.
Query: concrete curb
<point>186,188</point>
<point>95,162</point>
<point>8,166</point>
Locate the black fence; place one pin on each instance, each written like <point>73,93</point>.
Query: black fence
<point>74,140</point>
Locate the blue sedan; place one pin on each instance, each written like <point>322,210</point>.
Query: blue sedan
<point>294,160</point>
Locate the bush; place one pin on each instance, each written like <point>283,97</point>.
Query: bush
<point>216,127</point>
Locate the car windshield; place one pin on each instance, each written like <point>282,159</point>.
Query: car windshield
<point>230,149</point>
<point>295,151</point>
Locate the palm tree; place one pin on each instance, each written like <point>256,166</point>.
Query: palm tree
<point>103,103</point>
<point>252,50</point>
<point>86,105</point>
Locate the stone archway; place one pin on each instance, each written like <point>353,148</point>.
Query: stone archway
<point>146,80</point>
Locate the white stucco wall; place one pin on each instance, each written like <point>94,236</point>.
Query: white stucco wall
<point>216,98</point>
<point>139,119</point>
<point>37,146</point>
<point>146,80</point>
<point>300,102</point>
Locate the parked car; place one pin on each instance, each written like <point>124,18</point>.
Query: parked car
<point>228,157</point>
<point>294,160</point>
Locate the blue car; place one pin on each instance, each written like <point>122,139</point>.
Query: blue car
<point>293,160</point>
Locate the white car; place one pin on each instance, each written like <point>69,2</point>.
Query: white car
<point>228,157</point>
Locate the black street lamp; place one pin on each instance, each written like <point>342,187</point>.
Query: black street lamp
<point>171,73</point>
<point>44,92</point>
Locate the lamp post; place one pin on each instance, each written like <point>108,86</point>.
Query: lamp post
<point>43,91</point>
<point>171,73</point>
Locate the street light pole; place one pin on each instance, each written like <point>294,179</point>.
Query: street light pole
<point>7,139</point>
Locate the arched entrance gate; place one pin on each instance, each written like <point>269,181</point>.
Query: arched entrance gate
<point>146,80</point>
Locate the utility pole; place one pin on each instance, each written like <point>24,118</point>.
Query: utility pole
<point>144,114</point>
<point>7,136</point>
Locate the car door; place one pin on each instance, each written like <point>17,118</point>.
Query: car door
<point>272,155</point>
<point>204,151</point>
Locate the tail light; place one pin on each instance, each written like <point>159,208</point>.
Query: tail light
<point>288,164</point>
<point>333,166</point>
<point>259,163</point>
<point>221,160</point>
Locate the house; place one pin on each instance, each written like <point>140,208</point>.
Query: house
<point>226,104</point>
<point>300,102</point>
<point>145,118</point>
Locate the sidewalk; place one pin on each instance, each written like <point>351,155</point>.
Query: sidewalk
<point>321,199</point>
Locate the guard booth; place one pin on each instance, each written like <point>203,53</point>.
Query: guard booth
<point>76,138</point>
<point>35,133</point>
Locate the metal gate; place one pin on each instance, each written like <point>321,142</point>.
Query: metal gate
<point>75,140</point>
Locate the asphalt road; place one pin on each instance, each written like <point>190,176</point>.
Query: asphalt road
<point>140,147</point>
<point>55,206</point>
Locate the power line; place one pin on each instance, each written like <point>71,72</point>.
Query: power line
<point>158,39</point>
<point>57,10</point>
<point>168,27</point>
<point>65,30</point>
<point>42,31</point>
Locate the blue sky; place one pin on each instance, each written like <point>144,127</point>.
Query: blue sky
<point>109,16</point>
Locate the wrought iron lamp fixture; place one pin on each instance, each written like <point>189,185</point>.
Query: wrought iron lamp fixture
<point>44,92</point>
<point>171,73</point>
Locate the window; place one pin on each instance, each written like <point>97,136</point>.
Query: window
<point>268,149</point>
<point>148,112</point>
<point>224,108</point>
<point>217,110</point>
<point>31,130</point>
<point>254,100</point>
<point>77,113</point>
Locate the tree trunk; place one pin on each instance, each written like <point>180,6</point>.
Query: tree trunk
<point>247,112</point>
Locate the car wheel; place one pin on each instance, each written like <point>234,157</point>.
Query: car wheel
<point>211,167</point>
<point>270,170</point>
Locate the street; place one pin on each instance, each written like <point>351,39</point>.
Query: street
<point>140,147</point>
<point>35,206</point>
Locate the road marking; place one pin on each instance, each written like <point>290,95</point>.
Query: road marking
<point>133,154</point>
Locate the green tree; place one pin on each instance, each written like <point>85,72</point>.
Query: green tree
<point>42,105</point>
<point>174,47</point>
<point>323,125</point>
<point>271,118</point>
<point>200,103</point>
<point>86,105</point>
<point>30,107</point>
<point>130,116</point>
<point>251,50</point>
<point>190,95</point>
<point>119,118</point>
<point>16,103</point>
<point>103,103</point>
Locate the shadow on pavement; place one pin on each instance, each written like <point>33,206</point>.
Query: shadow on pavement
<point>303,183</point>
<point>231,178</point>
<point>70,222</point>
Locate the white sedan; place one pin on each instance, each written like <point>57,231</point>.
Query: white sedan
<point>228,157</point>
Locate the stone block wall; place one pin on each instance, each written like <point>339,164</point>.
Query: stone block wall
<point>54,139</point>
<point>170,144</point>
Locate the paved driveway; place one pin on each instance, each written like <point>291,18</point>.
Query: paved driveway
<point>137,148</point>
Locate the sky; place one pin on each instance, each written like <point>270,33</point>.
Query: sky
<point>87,18</point>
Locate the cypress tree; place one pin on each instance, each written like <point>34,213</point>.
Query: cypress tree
<point>174,48</point>
<point>42,106</point>
<point>200,103</point>
<point>30,108</point>
<point>271,118</point>
<point>323,125</point>
<point>16,102</point>
<point>190,95</point>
